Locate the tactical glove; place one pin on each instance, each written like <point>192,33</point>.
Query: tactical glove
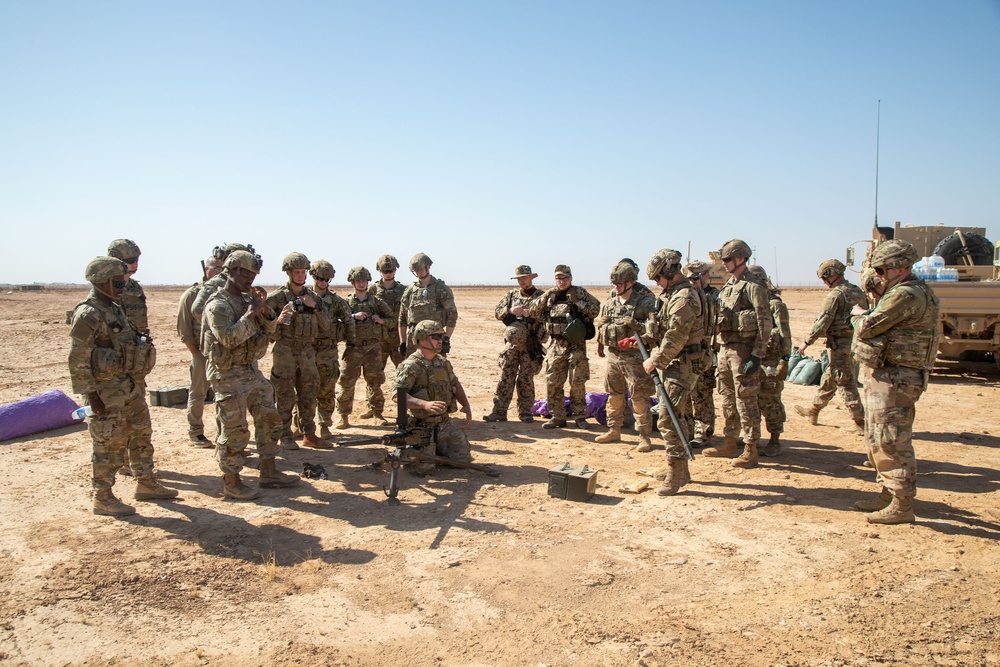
<point>402,349</point>
<point>750,366</point>
<point>627,343</point>
<point>445,345</point>
<point>782,370</point>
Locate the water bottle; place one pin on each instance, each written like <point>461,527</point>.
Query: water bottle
<point>82,413</point>
<point>935,262</point>
<point>947,275</point>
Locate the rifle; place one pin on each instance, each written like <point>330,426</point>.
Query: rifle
<point>405,444</point>
<point>661,392</point>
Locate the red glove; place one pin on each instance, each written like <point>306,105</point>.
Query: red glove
<point>627,343</point>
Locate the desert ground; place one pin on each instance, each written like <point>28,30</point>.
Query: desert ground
<point>768,566</point>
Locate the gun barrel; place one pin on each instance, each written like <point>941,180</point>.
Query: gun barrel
<point>664,400</point>
<point>394,439</point>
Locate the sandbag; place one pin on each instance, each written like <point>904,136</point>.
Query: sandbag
<point>793,360</point>
<point>809,372</point>
<point>36,414</point>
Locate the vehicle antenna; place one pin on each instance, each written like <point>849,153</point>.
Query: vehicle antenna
<point>878,129</point>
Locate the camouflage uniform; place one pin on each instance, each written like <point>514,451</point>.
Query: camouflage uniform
<point>392,297</point>
<point>293,367</point>
<point>189,330</point>
<point>703,390</point>
<point>834,322</point>
<point>365,355</point>
<point>779,347</point>
<point>327,361</point>
<point>134,305</point>
<point>435,302</point>
<point>522,355</point>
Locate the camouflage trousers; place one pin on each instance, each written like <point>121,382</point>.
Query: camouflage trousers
<point>363,358</point>
<point>517,371</point>
<point>244,389</point>
<point>139,452</point>
<point>890,405</point>
<point>703,403</point>
<point>443,439</point>
<point>677,380</point>
<point>296,384</point>
<point>196,395</point>
<point>772,409</point>
<point>328,367</point>
<point>566,361</point>
<point>738,393</point>
<point>111,434</point>
<point>390,346</point>
<point>626,375</point>
<point>841,374</point>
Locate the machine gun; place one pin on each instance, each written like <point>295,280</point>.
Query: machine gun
<point>661,391</point>
<point>405,445</point>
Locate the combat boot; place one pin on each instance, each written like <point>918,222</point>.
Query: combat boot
<point>879,502</point>
<point>270,478</point>
<point>773,446</point>
<point>583,424</point>
<point>554,423</point>
<point>367,414</point>
<point>677,477</point>
<point>324,431</point>
<point>126,471</point>
<point>644,444</point>
<point>900,510</point>
<point>748,459</point>
<point>380,420</point>
<point>810,413</point>
<point>288,444</point>
<point>342,422</point>
<point>494,417</point>
<point>234,488</point>
<point>149,488</point>
<point>105,504</point>
<point>859,425</point>
<point>614,434</point>
<point>310,440</point>
<point>727,448</point>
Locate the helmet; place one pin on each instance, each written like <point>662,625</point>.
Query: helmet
<point>425,328</point>
<point>322,270</point>
<point>358,273</point>
<point>735,248</point>
<point>624,273</point>
<point>223,251</point>
<point>869,279</point>
<point>242,259</point>
<point>830,268</point>
<point>666,262</point>
<point>102,269</point>
<point>517,335</point>
<point>294,260</point>
<point>123,249</point>
<point>420,260</point>
<point>894,254</point>
<point>387,263</point>
<point>627,260</point>
<point>696,268</point>
<point>759,271</point>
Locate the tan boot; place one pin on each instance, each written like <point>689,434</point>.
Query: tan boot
<point>859,425</point>
<point>310,440</point>
<point>324,432</point>
<point>105,504</point>
<point>270,478</point>
<point>367,414</point>
<point>149,488</point>
<point>899,510</point>
<point>748,459</point>
<point>727,448</point>
<point>380,420</point>
<point>677,477</point>
<point>288,444</point>
<point>773,446</point>
<point>644,444</point>
<point>614,434</point>
<point>342,422</point>
<point>811,413</point>
<point>879,502</point>
<point>234,488</point>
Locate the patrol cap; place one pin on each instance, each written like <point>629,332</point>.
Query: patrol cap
<point>104,268</point>
<point>564,270</point>
<point>523,271</point>
<point>244,260</point>
<point>426,328</point>
<point>123,249</point>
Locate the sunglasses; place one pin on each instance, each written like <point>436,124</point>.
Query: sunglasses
<point>130,260</point>
<point>880,271</point>
<point>118,284</point>
<point>436,336</point>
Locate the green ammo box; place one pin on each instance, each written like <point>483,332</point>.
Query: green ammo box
<point>572,483</point>
<point>168,396</point>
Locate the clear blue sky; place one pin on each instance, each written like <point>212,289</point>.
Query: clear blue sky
<point>487,134</point>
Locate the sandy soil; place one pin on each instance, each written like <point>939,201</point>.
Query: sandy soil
<point>746,567</point>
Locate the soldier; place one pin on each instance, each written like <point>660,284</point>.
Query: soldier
<point>215,283</point>
<point>897,340</point>
<point>703,389</point>
<point>834,322</point>
<point>370,315</point>
<point>521,358</point>
<point>744,329</point>
<point>622,316</point>
<point>293,367</point>
<point>774,366</point>
<point>676,331</point>
<point>568,312</point>
<point>108,362</point>
<point>189,331</point>
<point>426,299</point>
<point>390,291</point>
<point>341,329</point>
<point>236,328</point>
<point>432,393</point>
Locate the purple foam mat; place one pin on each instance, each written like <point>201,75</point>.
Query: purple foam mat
<point>36,414</point>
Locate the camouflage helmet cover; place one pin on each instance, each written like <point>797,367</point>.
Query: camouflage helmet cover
<point>696,268</point>
<point>516,334</point>
<point>104,268</point>
<point>420,260</point>
<point>226,249</point>
<point>358,273</point>
<point>322,270</point>
<point>894,254</point>
<point>830,268</point>
<point>624,272</point>
<point>735,248</point>
<point>242,259</point>
<point>123,249</point>
<point>665,261</point>
<point>294,260</point>
<point>759,271</point>
<point>387,263</point>
<point>425,328</point>
<point>870,280</point>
